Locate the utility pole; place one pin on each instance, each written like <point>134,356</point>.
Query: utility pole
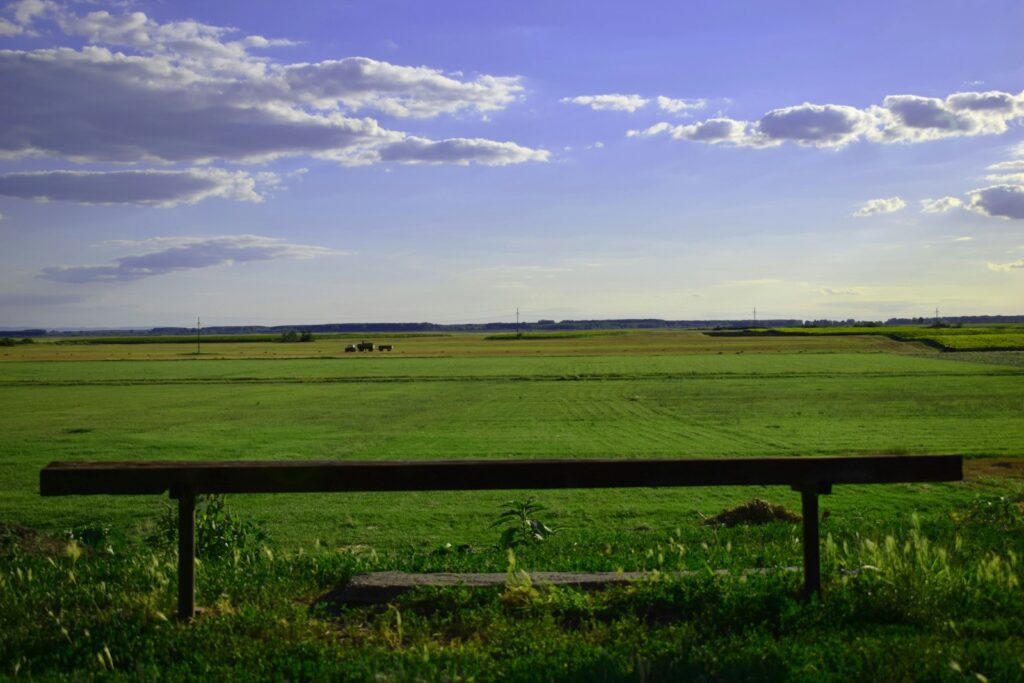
<point>517,321</point>
<point>197,335</point>
<point>936,315</point>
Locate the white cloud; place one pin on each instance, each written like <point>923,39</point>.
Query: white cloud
<point>359,83</point>
<point>828,125</point>
<point>611,102</point>
<point>678,106</point>
<point>188,92</point>
<point>1006,267</point>
<point>26,11</point>
<point>839,292</point>
<point>965,238</point>
<point>911,118</point>
<point>1011,166</point>
<point>155,188</point>
<point>940,205</point>
<point>9,28</point>
<point>875,207</point>
<point>173,254</point>
<point>413,150</point>
<point>900,119</point>
<point>1000,201</point>
<point>711,131</point>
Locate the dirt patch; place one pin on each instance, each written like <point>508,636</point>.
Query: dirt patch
<point>999,468</point>
<point>756,511</point>
<point>14,537</point>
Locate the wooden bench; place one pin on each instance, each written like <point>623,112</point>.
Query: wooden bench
<point>184,480</point>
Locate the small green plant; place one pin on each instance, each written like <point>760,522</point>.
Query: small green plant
<point>93,536</point>
<point>520,524</point>
<point>219,533</point>
<point>1005,513</point>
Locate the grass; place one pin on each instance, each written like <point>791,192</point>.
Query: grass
<point>566,334</point>
<point>895,610</point>
<point>224,338</point>
<point>642,343</point>
<point>651,406</point>
<point>1008,337</point>
<point>899,606</point>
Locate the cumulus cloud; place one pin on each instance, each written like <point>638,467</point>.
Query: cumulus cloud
<point>875,207</point>
<point>611,102</point>
<point>153,188</point>
<point>190,92</point>
<point>1006,267</point>
<point>680,107</point>
<point>414,150</point>
<point>940,205</point>
<point>9,28</point>
<point>361,83</point>
<point>173,254</point>
<point>1011,166</point>
<point>1000,201</point>
<point>899,119</point>
<point>711,131</point>
<point>914,119</point>
<point>826,125</point>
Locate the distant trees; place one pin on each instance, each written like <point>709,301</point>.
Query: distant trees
<point>293,336</point>
<point>11,341</point>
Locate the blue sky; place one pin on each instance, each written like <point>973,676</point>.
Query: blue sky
<point>405,161</point>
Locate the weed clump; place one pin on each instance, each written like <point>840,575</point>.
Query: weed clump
<point>521,525</point>
<point>219,533</point>
<point>756,511</point>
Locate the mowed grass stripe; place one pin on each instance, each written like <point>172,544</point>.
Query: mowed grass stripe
<point>978,415</point>
<point>507,369</point>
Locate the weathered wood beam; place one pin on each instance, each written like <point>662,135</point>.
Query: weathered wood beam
<point>267,476</point>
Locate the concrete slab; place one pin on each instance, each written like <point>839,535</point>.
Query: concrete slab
<point>381,587</point>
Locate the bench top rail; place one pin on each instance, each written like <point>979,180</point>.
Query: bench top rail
<point>269,476</point>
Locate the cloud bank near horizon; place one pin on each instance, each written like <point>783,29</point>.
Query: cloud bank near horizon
<point>172,254</point>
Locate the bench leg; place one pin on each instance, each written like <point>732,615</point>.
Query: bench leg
<point>812,543</point>
<point>186,555</point>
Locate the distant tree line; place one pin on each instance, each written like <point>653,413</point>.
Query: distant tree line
<point>294,336</point>
<point>11,341</point>
<point>539,326</point>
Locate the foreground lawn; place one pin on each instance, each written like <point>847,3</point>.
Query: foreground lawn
<point>935,596</point>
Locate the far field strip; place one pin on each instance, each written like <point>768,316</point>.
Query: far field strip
<point>359,370</point>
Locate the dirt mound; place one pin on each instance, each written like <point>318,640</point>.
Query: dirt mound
<point>756,511</point>
<point>14,537</point>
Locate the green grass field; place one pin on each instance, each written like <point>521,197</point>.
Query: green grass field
<point>640,394</point>
<point>1009,337</point>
